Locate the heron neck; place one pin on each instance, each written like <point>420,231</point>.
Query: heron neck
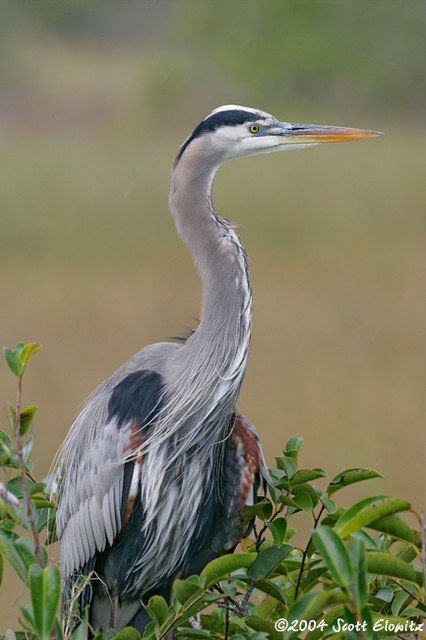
<point>220,258</point>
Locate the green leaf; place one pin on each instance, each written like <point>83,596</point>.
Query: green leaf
<point>306,475</point>
<point>27,352</point>
<point>415,611</point>
<point>290,533</point>
<point>278,528</point>
<point>289,502</point>
<point>7,547</point>
<point>356,550</point>
<point>128,633</point>
<point>401,600</point>
<point>366,511</point>
<point>36,488</point>
<point>407,553</point>
<point>27,612</point>
<point>262,510</point>
<point>45,588</point>
<point>267,560</point>
<point>328,618</point>
<point>197,606</point>
<point>384,564</point>
<point>158,609</point>
<point>385,593</point>
<point>335,555</point>
<point>270,608</point>
<point>12,359</point>
<point>312,605</point>
<point>211,623</point>
<point>286,464</point>
<point>26,550</point>
<point>305,487</point>
<point>27,449</point>
<point>350,476</point>
<point>312,578</point>
<point>40,502</point>
<point>366,617</point>
<point>293,446</point>
<point>220,568</point>
<point>5,440</point>
<point>366,539</point>
<point>271,589</point>
<point>329,504</point>
<point>259,624</point>
<point>304,501</point>
<point>26,417</point>
<point>82,631</point>
<point>275,493</point>
<point>331,518</point>
<point>192,633</point>
<point>185,590</point>
<point>394,526</point>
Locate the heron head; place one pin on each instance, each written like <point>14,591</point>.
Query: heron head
<point>233,131</point>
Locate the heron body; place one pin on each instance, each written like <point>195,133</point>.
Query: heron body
<point>157,467</point>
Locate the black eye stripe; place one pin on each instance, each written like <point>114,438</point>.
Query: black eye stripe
<point>231,118</point>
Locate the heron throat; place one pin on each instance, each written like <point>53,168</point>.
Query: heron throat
<point>218,349</point>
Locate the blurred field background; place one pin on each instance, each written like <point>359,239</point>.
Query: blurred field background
<point>95,99</point>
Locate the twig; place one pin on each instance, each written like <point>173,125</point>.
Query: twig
<point>226,626</point>
<point>248,594</point>
<point>228,608</point>
<point>238,607</point>
<point>305,553</point>
<point>413,597</point>
<point>23,472</point>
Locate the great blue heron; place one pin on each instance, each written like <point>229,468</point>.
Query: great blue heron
<point>158,465</point>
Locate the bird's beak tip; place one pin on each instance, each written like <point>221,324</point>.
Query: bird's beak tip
<point>358,134</point>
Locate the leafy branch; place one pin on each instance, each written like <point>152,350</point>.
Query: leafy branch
<point>361,568</point>
<point>27,555</point>
<point>17,360</point>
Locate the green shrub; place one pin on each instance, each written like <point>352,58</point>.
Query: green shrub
<point>361,573</point>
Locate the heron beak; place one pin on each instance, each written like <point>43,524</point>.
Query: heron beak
<point>316,134</point>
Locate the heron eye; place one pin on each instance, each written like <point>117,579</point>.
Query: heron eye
<point>254,128</point>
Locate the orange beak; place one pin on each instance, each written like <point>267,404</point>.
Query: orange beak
<point>316,134</point>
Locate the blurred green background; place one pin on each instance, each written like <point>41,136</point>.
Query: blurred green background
<point>96,98</point>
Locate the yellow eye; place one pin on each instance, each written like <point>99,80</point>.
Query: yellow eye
<point>254,128</point>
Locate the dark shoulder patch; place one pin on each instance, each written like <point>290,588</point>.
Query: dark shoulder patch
<point>228,118</point>
<point>136,397</point>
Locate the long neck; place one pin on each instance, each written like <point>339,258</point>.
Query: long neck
<point>225,327</point>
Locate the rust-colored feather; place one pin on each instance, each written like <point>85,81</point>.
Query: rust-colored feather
<point>136,440</point>
<point>245,442</point>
